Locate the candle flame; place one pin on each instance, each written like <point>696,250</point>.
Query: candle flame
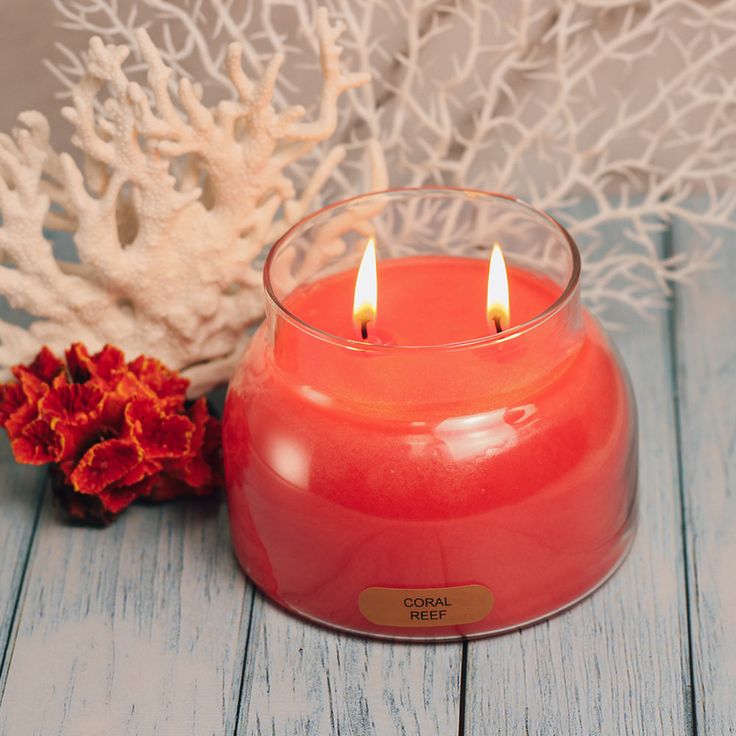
<point>497,304</point>
<point>365,301</point>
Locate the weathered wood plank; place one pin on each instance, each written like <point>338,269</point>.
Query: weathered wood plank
<point>20,495</point>
<point>705,346</point>
<point>618,662</point>
<point>139,628</point>
<point>301,680</point>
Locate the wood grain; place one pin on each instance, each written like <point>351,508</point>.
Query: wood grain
<point>618,662</point>
<point>705,330</point>
<point>302,680</point>
<point>139,628</point>
<point>21,489</point>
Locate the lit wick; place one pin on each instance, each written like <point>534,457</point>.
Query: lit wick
<point>365,299</point>
<point>497,302</point>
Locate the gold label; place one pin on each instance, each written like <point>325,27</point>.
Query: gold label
<point>459,604</point>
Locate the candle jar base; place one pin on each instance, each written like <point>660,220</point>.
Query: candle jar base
<point>448,637</point>
<point>418,490</point>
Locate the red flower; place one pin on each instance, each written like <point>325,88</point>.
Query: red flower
<point>74,404</point>
<point>160,435</point>
<point>106,366</point>
<point>74,411</point>
<point>45,367</point>
<point>18,404</point>
<point>107,371</point>
<point>195,469</point>
<point>36,443</point>
<point>104,464</point>
<point>32,386</point>
<point>166,385</point>
<point>12,400</point>
<point>114,431</point>
<point>142,476</point>
<point>116,498</point>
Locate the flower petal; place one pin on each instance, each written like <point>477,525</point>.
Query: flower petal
<point>159,435</point>
<point>32,386</point>
<point>116,498</point>
<point>75,403</point>
<point>78,363</point>
<point>104,464</point>
<point>199,470</point>
<point>144,470</point>
<point>194,472</point>
<point>37,444</point>
<point>109,361</point>
<point>106,366</point>
<point>12,399</point>
<point>45,366</point>
<point>165,384</point>
<point>143,487</point>
<point>75,413</point>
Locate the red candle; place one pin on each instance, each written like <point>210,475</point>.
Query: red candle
<point>437,479</point>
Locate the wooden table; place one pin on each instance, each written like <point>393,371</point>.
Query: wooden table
<point>149,627</point>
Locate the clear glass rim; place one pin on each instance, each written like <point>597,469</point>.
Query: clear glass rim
<point>355,344</point>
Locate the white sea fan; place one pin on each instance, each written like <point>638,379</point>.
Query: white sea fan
<point>614,115</point>
<point>170,211</point>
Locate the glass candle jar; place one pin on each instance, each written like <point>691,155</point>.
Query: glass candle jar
<point>431,478</point>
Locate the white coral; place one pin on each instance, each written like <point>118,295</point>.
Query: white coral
<point>625,107</point>
<point>173,205</point>
<point>556,101</point>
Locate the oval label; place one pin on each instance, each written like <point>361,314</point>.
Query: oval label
<point>458,604</point>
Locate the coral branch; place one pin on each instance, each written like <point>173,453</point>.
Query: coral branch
<point>175,201</point>
<point>558,102</point>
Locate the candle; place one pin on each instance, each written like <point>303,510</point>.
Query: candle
<point>406,470</point>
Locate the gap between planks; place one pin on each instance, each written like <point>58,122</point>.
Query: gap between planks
<point>689,683</point>
<point>8,643</point>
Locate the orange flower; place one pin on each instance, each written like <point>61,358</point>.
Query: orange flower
<point>166,385</point>
<point>104,464</point>
<point>115,432</point>
<point>74,413</point>
<point>158,434</point>
<point>45,367</point>
<point>196,468</point>
<point>36,443</point>
<point>106,367</point>
<point>15,409</point>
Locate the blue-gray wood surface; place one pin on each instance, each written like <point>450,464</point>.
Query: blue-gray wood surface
<point>149,627</point>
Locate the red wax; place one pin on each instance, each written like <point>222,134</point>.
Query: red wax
<point>419,463</point>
